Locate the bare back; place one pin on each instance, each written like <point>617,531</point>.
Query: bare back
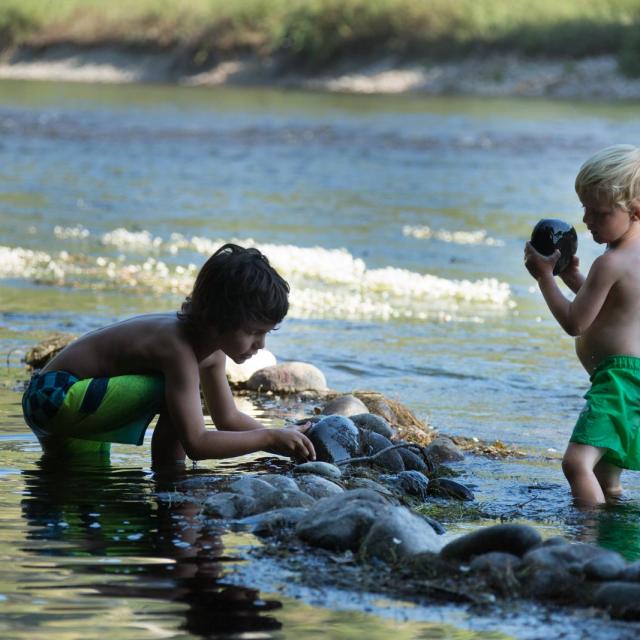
<point>142,344</point>
<point>616,329</point>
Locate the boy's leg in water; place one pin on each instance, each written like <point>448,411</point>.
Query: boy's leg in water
<point>165,446</point>
<point>578,466</point>
<point>608,476</point>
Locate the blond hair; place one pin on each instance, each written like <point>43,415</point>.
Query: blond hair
<point>611,176</point>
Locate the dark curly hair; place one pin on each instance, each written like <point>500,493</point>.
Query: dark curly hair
<point>235,287</point>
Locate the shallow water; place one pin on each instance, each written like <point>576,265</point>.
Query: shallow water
<point>399,222</point>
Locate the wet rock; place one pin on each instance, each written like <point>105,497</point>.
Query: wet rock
<point>554,583</point>
<point>356,482</point>
<point>435,525</point>
<point>228,506</point>
<point>340,523</point>
<point>443,449</point>
<point>273,522</point>
<point>38,356</point>
<point>371,443</point>
<point>282,483</point>
<point>445,488</point>
<point>496,562</point>
<point>412,483</point>
<point>621,599</point>
<point>554,540</point>
<point>631,573</point>
<point>240,373</point>
<point>324,469</point>
<point>510,538</point>
<point>398,534</point>
<point>568,557</point>
<point>335,438</point>
<point>318,487</point>
<point>412,461</point>
<point>607,566</point>
<point>373,422</point>
<point>255,488</point>
<point>289,377</point>
<point>267,497</point>
<point>346,405</point>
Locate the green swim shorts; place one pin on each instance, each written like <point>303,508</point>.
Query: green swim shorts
<point>611,416</point>
<point>87,415</point>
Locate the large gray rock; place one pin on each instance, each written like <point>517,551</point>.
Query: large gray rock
<point>227,506</point>
<point>289,377</point>
<point>631,573</point>
<point>621,599</point>
<point>443,449</point>
<point>373,422</point>
<point>318,487</point>
<point>273,522</point>
<point>335,439</point>
<point>412,461</point>
<point>607,566</point>
<point>324,469</point>
<point>346,405</point>
<point>281,483</point>
<point>267,497</point>
<point>568,557</point>
<point>510,538</point>
<point>399,534</point>
<point>495,562</point>
<point>340,523</point>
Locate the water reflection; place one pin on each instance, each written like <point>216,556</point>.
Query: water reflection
<point>135,546</point>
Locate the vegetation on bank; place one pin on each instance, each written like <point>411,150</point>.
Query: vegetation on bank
<point>314,33</point>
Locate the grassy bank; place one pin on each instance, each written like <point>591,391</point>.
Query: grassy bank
<point>314,33</point>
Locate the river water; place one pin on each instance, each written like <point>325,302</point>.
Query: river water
<point>399,223</point>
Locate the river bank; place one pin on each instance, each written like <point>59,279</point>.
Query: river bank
<point>493,75</point>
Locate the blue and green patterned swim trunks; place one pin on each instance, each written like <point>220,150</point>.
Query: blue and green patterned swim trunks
<point>89,414</point>
<point>611,416</point>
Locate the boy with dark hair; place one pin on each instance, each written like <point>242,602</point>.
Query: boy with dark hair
<point>109,384</point>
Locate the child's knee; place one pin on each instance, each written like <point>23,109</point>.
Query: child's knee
<point>573,465</point>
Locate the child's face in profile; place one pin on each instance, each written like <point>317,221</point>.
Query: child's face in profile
<point>241,344</point>
<point>607,223</point>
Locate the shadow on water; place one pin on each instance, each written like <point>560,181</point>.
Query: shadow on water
<point>125,544</point>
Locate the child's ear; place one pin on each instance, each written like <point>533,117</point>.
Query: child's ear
<point>634,209</point>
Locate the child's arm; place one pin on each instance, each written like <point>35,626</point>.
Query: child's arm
<point>182,396</point>
<point>572,275</point>
<point>577,316</point>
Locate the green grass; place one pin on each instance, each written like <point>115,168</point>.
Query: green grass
<point>313,33</point>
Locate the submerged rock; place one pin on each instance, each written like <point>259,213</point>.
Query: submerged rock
<point>335,439</point>
<point>510,538</point>
<point>289,377</point>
